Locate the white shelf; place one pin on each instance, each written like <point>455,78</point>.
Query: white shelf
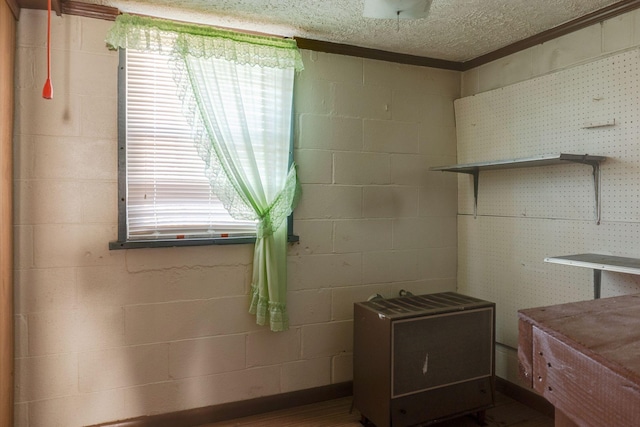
<point>529,162</point>
<point>526,162</point>
<point>598,263</point>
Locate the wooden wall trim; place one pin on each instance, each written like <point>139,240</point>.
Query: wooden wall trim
<point>7,60</point>
<point>110,13</point>
<point>261,405</point>
<point>603,14</point>
<point>41,4</point>
<point>228,411</point>
<point>96,11</point>
<point>383,55</point>
<point>15,8</point>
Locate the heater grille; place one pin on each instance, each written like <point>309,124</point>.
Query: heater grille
<point>423,305</point>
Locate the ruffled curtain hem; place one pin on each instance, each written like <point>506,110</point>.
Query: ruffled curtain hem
<point>268,312</point>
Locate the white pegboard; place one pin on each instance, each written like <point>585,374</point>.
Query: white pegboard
<point>501,259</point>
<point>547,115</point>
<point>525,215</point>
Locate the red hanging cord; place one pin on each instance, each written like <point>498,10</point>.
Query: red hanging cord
<point>47,90</point>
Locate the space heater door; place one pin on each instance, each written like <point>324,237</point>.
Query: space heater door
<point>441,350</point>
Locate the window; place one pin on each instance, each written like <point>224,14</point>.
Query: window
<point>165,197</point>
<point>236,91</point>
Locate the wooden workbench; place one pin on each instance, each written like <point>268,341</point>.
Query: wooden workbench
<point>584,358</point>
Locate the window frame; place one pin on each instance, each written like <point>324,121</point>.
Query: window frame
<point>122,242</point>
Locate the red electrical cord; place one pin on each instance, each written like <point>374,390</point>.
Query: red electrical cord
<point>47,90</point>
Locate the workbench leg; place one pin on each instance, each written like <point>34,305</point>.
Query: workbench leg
<point>561,420</point>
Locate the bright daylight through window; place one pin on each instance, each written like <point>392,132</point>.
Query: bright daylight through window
<point>167,194</point>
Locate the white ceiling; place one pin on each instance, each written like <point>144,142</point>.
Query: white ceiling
<point>455,30</point>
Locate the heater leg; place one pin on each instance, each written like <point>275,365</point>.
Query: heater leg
<point>480,417</point>
<point>364,421</point>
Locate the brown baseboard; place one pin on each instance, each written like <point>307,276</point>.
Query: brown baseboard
<point>228,411</point>
<point>260,405</point>
<point>525,396</point>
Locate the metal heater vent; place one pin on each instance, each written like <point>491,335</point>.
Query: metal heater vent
<point>420,305</point>
<point>418,359</point>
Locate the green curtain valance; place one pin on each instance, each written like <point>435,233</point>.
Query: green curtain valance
<point>159,35</point>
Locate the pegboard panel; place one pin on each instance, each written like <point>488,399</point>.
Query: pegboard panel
<point>548,115</point>
<point>501,259</point>
<point>558,192</point>
<point>525,215</point>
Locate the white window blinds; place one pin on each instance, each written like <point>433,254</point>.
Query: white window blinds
<point>168,194</point>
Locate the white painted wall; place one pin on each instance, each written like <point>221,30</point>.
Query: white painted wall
<point>105,335</point>
<point>524,242</point>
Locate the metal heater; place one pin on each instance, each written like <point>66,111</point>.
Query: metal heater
<point>421,359</point>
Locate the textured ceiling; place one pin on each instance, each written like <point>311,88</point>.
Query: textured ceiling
<point>455,30</point>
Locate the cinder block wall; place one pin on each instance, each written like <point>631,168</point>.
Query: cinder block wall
<point>583,46</point>
<point>105,335</point>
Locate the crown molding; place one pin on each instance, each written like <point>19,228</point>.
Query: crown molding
<point>383,55</point>
<point>39,4</point>
<point>90,10</point>
<point>592,18</point>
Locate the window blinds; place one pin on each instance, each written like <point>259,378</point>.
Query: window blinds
<point>168,194</point>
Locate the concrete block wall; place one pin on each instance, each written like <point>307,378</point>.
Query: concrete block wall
<point>106,335</point>
<point>583,46</point>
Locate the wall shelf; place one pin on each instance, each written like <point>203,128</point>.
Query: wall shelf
<point>598,263</point>
<point>474,169</point>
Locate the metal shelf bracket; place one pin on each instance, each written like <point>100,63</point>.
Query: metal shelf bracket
<point>474,169</point>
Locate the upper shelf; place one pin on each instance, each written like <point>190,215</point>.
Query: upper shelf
<point>527,162</point>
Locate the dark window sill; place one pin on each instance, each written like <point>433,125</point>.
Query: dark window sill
<point>139,244</point>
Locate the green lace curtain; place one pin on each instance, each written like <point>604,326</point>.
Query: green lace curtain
<point>237,92</point>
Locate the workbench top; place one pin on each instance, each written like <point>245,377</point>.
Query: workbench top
<point>584,357</point>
